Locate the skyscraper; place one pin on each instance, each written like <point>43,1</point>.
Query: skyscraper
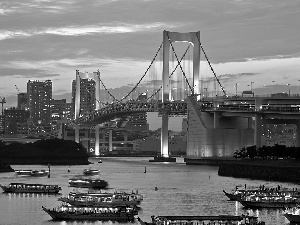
<point>39,97</point>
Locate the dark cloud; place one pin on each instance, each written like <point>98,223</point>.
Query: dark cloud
<point>26,73</point>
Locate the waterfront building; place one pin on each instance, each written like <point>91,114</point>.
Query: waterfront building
<point>2,127</point>
<point>282,134</point>
<point>12,118</point>
<point>39,97</point>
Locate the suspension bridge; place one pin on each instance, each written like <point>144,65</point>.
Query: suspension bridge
<point>170,83</point>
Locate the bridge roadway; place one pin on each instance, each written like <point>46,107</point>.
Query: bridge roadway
<point>267,107</point>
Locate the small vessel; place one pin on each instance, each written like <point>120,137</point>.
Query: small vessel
<point>292,214</point>
<point>100,161</point>
<point>203,220</point>
<point>269,201</point>
<point>64,212</point>
<point>31,188</point>
<point>33,173</point>
<point>90,172</point>
<point>87,183</point>
<point>102,199</point>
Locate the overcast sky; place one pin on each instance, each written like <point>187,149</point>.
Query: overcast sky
<point>245,40</point>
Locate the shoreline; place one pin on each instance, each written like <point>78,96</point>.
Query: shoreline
<point>271,170</point>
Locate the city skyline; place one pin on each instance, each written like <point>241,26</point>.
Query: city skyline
<point>245,41</point>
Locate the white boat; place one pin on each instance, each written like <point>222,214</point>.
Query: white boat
<point>33,173</point>
<point>64,212</point>
<point>91,171</point>
<point>87,183</point>
<point>31,188</point>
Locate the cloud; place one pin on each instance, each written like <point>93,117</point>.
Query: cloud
<point>116,28</point>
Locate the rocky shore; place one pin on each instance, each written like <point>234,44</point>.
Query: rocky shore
<point>275,170</point>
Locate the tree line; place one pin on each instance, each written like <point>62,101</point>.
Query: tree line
<point>43,149</point>
<point>268,152</point>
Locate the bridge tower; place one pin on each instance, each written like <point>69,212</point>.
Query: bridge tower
<point>96,77</point>
<point>168,38</point>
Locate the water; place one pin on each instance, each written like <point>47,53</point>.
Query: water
<point>182,190</point>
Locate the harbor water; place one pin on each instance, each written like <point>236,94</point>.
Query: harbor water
<point>181,190</point>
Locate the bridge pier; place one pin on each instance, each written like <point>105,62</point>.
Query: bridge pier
<point>77,133</point>
<point>257,130</point>
<point>216,119</point>
<point>97,141</point>
<point>110,141</point>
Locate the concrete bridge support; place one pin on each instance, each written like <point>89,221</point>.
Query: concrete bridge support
<point>110,141</point>
<point>77,133</point>
<point>97,141</point>
<point>258,130</point>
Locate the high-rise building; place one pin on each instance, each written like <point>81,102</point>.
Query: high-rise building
<point>14,117</point>
<point>23,101</point>
<point>87,95</point>
<point>39,101</point>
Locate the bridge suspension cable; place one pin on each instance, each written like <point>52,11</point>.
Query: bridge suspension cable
<point>178,63</point>
<point>144,73</point>
<point>211,66</point>
<point>192,89</point>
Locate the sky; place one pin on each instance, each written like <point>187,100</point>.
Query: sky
<point>246,41</point>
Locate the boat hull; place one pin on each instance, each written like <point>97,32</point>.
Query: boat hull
<point>250,204</point>
<point>121,216</point>
<point>44,190</point>
<point>232,197</point>
<point>292,218</point>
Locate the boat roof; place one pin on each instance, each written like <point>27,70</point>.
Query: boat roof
<point>33,184</point>
<point>203,218</point>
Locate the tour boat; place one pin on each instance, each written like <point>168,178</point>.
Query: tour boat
<point>65,212</point>
<point>203,220</point>
<point>293,214</point>
<point>33,173</point>
<point>102,199</point>
<point>90,171</point>
<point>87,183</point>
<point>31,188</point>
<point>269,201</point>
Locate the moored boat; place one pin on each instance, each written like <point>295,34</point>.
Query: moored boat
<point>87,183</point>
<point>293,214</point>
<point>33,173</point>
<point>102,199</point>
<point>64,212</point>
<point>203,220</point>
<point>269,201</point>
<point>31,188</point>
<point>90,171</point>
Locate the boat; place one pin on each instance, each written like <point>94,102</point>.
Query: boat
<point>269,201</point>
<point>65,212</point>
<point>31,188</point>
<point>100,161</point>
<point>87,183</point>
<point>102,199</point>
<point>33,173</point>
<point>261,192</point>
<point>292,214</point>
<point>203,220</point>
<point>91,171</point>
